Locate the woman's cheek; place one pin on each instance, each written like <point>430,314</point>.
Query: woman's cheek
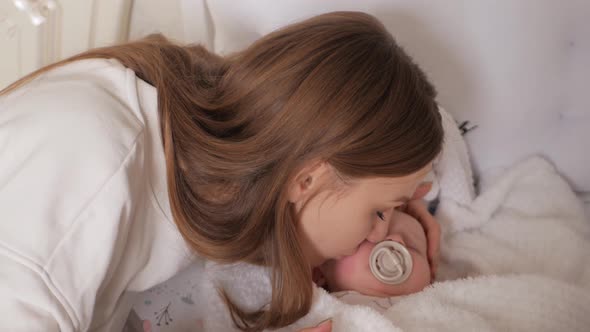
<point>363,232</point>
<point>353,241</point>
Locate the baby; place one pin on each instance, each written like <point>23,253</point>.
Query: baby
<point>396,266</point>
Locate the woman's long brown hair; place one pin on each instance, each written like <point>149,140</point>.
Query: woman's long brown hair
<point>236,129</point>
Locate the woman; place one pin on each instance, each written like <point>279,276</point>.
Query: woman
<point>258,156</point>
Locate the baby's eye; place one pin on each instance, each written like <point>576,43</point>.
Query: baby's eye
<point>380,215</point>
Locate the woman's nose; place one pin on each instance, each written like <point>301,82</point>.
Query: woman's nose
<point>379,232</point>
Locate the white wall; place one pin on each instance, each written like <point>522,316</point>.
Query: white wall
<point>520,70</point>
<point>35,33</point>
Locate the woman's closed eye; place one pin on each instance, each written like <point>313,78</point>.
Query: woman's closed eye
<point>381,215</point>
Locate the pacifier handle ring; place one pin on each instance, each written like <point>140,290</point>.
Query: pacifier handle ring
<point>401,259</point>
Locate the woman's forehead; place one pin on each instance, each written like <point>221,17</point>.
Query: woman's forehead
<point>394,188</point>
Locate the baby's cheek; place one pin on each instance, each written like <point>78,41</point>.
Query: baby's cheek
<point>347,273</point>
<point>420,276</point>
<point>346,265</point>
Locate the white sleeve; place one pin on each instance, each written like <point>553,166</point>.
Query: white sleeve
<point>27,302</point>
<point>69,167</point>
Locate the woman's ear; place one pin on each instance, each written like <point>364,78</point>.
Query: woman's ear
<point>307,181</point>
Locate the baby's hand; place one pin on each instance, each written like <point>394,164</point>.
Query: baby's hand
<point>417,208</point>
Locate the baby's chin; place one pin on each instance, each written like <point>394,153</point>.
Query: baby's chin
<point>406,288</point>
<point>409,286</point>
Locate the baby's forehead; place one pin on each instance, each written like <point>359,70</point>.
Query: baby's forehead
<point>402,219</point>
<point>407,225</point>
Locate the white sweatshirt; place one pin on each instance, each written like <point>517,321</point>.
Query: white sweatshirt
<point>84,214</point>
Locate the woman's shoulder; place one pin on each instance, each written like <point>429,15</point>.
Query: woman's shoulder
<point>82,106</point>
<point>69,141</point>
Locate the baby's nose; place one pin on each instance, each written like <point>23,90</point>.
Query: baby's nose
<point>397,237</point>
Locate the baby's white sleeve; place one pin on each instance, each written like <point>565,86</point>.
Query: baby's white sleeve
<point>381,304</point>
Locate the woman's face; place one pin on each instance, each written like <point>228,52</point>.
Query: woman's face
<point>334,223</point>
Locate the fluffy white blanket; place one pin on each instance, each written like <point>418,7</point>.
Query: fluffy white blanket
<point>514,258</point>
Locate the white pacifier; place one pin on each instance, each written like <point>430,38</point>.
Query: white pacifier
<point>390,262</point>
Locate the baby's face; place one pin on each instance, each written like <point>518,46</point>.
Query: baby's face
<point>354,273</point>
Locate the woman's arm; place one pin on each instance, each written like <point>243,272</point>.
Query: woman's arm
<point>27,299</point>
<point>69,161</point>
<point>325,326</point>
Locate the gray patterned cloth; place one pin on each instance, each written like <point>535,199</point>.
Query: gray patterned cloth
<point>170,306</point>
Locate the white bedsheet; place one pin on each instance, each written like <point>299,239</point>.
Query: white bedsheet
<point>516,259</point>
<point>182,298</point>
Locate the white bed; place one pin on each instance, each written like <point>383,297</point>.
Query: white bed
<point>518,70</point>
